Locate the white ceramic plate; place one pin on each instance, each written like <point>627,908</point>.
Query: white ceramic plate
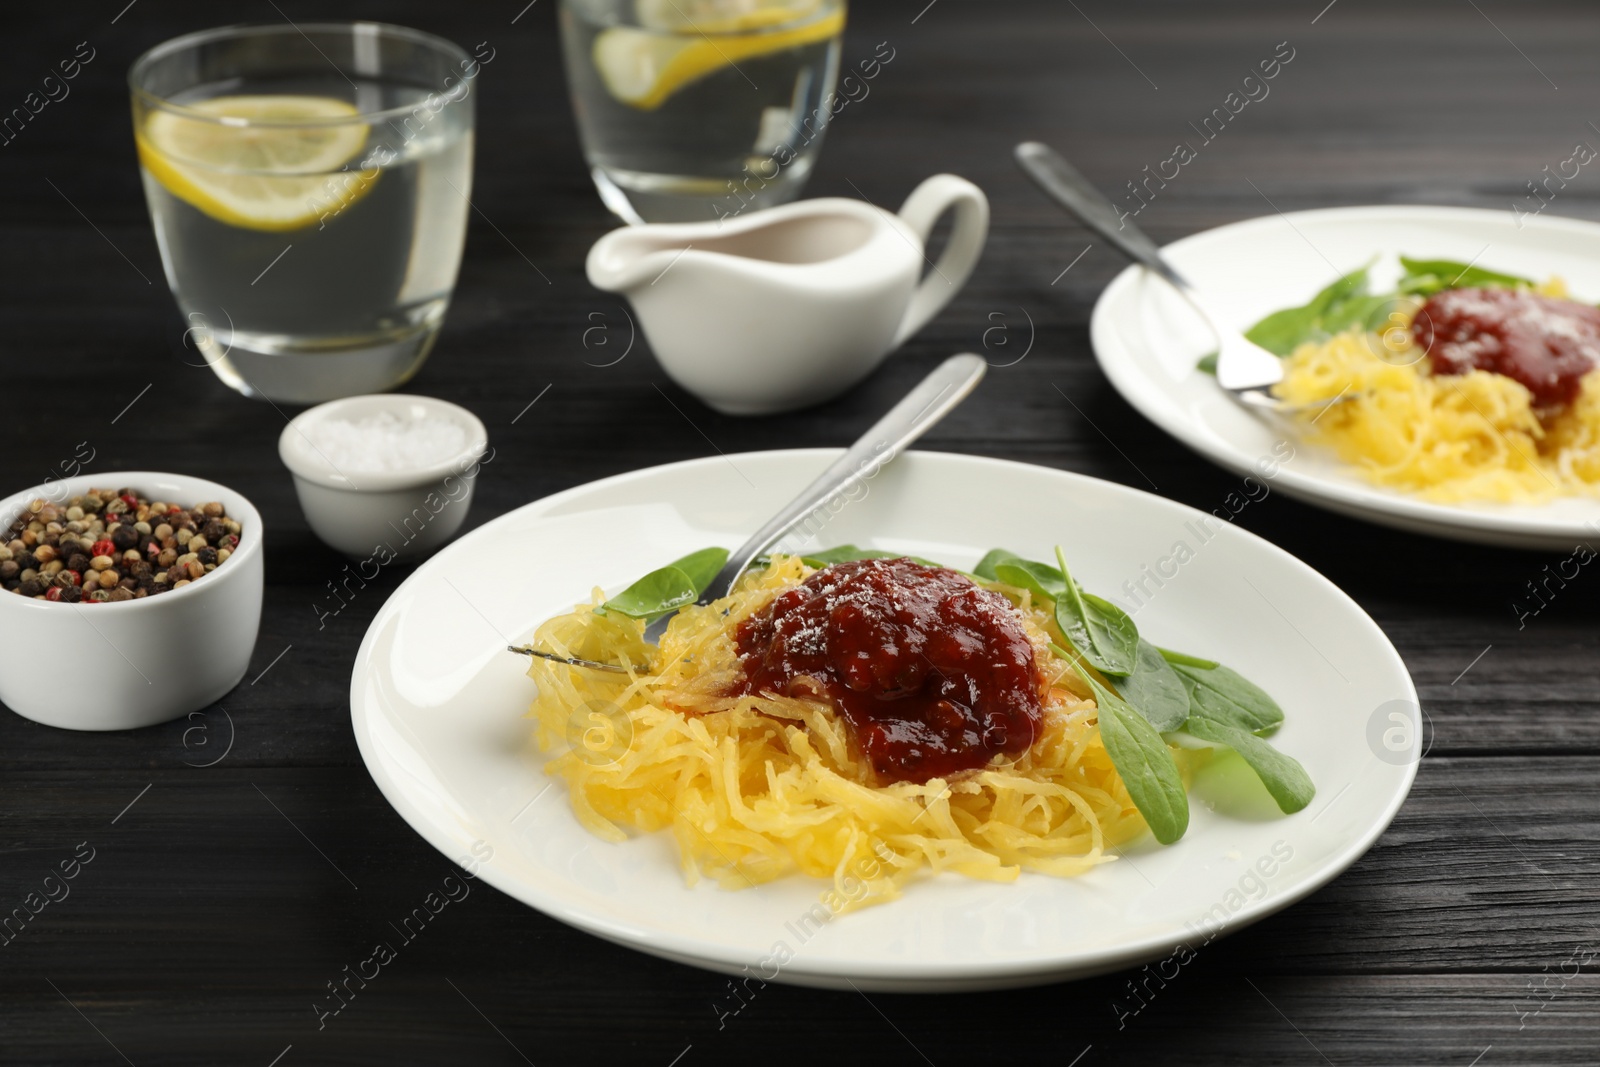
<point>1147,341</point>
<point>438,708</point>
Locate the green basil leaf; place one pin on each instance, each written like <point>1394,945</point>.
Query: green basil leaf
<point>669,588</point>
<point>1207,363</point>
<point>1224,696</point>
<point>1098,628</point>
<point>1155,690</point>
<point>1283,776</point>
<point>1449,274</point>
<point>1144,763</point>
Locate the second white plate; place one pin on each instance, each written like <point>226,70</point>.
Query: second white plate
<point>1147,341</point>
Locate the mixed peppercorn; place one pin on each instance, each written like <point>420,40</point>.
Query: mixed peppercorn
<point>109,546</point>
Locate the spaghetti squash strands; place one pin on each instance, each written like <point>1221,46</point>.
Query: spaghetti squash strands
<point>1446,438</point>
<point>758,787</point>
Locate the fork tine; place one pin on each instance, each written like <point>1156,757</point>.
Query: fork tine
<point>1263,400</point>
<point>571,661</point>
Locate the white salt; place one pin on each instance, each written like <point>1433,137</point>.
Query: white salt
<point>386,442</point>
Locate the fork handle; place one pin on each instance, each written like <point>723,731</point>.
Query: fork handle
<point>940,391</point>
<point>1061,182</point>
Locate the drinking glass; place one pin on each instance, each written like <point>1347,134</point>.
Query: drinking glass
<point>691,110</point>
<point>308,186</point>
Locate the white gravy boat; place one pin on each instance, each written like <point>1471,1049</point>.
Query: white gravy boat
<point>789,306</point>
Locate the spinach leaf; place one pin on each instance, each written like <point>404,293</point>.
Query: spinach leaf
<point>1283,776</point>
<point>1144,763</point>
<point>1190,661</point>
<point>844,554</point>
<point>702,566</point>
<point>1155,690</point>
<point>1346,304</point>
<point>1228,709</point>
<point>1283,331</point>
<point>1224,696</point>
<point>1098,628</point>
<point>1366,312</point>
<point>656,593</point>
<point>1040,579</point>
<point>1425,277</point>
<point>671,587</point>
<point>1418,285</point>
<point>852,554</point>
<point>992,559</point>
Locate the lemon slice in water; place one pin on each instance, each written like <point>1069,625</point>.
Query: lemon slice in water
<point>689,39</point>
<point>721,16</point>
<point>262,172</point>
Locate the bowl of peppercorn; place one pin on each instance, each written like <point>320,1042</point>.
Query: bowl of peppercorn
<point>150,582</point>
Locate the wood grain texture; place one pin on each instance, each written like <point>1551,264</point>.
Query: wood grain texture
<point>218,906</point>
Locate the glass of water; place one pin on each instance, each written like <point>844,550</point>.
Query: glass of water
<point>309,189</point>
<point>691,110</point>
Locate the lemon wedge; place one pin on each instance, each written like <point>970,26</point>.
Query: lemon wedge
<point>262,173</point>
<point>689,40</point>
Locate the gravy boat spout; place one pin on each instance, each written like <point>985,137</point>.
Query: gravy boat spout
<point>626,258</point>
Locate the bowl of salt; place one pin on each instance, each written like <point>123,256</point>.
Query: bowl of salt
<point>385,477</point>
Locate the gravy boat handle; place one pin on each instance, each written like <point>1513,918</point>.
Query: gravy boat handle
<point>922,209</point>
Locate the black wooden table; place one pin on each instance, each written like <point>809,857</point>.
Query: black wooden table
<point>223,899</point>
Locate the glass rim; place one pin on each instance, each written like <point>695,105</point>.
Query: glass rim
<point>713,36</point>
<point>197,38</point>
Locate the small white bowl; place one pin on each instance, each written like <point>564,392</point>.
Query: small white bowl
<point>384,515</point>
<point>151,660</point>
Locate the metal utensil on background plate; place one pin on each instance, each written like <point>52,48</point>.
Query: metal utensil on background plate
<point>1244,368</point>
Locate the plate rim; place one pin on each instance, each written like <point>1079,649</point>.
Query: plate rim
<point>1513,528</point>
<point>925,977</point>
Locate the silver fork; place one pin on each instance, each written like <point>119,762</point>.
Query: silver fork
<point>945,387</point>
<point>1244,368</point>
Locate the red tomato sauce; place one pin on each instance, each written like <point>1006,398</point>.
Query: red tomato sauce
<point>933,673</point>
<point>1546,344</point>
